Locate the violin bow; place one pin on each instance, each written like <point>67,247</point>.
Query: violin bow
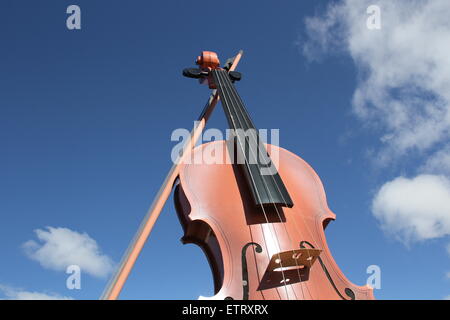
<point>128,260</point>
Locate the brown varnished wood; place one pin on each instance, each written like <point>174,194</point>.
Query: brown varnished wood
<point>216,213</point>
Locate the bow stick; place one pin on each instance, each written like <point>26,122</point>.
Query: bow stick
<point>117,282</point>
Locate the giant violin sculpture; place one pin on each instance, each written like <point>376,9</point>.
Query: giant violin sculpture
<point>259,221</point>
<point>259,215</point>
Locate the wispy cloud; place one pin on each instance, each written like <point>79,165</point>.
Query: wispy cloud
<point>12,293</point>
<point>404,70</point>
<point>57,248</point>
<point>403,95</point>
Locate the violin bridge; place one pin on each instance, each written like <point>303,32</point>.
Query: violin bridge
<point>289,267</point>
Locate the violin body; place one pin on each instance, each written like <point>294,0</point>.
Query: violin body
<point>241,242</point>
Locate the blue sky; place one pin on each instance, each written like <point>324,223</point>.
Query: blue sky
<point>86,118</point>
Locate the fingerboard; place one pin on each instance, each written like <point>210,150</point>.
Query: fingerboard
<point>263,179</point>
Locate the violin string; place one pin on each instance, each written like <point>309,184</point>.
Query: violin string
<point>242,148</point>
<point>295,222</point>
<point>301,216</point>
<point>285,280</point>
<point>221,81</point>
<point>274,235</point>
<point>250,124</point>
<point>256,141</point>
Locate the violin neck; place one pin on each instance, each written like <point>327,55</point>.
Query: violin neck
<point>266,185</point>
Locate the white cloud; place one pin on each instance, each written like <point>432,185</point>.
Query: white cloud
<point>402,94</point>
<point>414,209</point>
<point>60,247</point>
<point>404,69</point>
<point>18,294</point>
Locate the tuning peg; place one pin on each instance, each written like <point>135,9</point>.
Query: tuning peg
<point>193,73</point>
<point>235,76</point>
